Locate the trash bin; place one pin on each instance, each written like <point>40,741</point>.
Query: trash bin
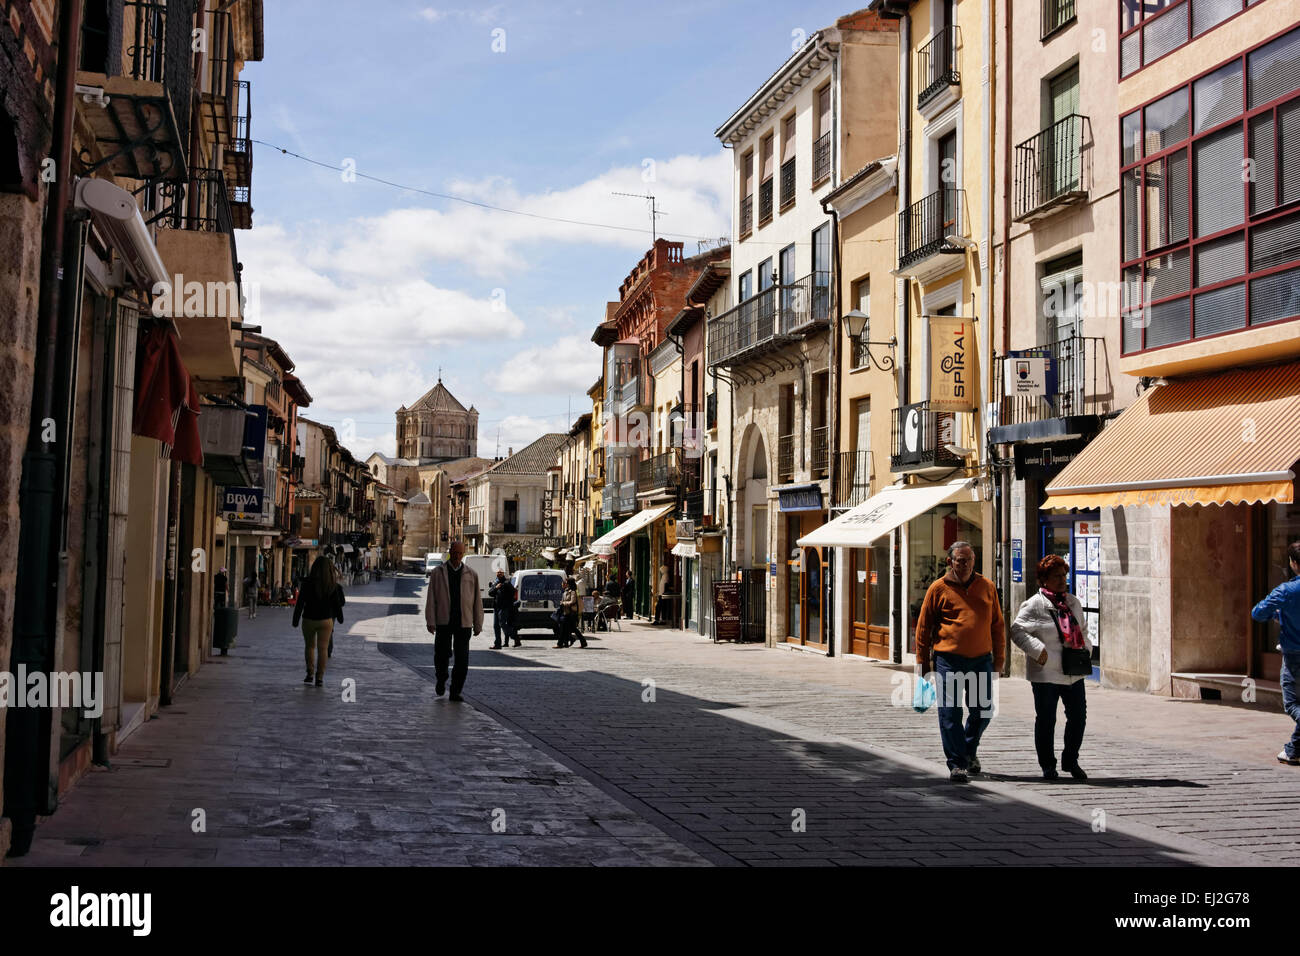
<point>225,625</point>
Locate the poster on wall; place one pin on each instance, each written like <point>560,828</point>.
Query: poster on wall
<point>1094,554</point>
<point>726,610</point>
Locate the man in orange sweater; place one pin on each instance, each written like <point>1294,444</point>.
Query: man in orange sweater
<point>960,634</point>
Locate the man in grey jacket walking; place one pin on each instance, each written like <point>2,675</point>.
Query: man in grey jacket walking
<point>453,607</point>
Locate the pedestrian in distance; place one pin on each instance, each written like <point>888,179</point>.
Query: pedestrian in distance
<point>570,610</point>
<point>629,595</point>
<point>503,597</point>
<point>1047,624</point>
<point>453,608</point>
<point>1283,605</point>
<point>250,594</point>
<point>320,604</point>
<point>219,585</point>
<point>960,630</point>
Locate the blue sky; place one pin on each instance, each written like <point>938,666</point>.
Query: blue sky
<point>372,289</point>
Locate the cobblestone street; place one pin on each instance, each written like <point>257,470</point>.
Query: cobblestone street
<point>649,747</point>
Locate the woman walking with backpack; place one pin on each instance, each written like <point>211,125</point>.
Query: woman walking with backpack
<point>320,604</point>
<point>1058,655</point>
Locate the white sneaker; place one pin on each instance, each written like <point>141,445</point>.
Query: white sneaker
<point>1291,761</point>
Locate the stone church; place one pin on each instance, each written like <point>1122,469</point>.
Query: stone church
<point>437,428</point>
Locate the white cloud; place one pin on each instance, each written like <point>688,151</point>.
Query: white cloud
<point>566,365</point>
<point>518,432</point>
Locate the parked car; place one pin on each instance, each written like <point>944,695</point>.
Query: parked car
<point>432,560</point>
<point>540,591</point>
<point>485,566</point>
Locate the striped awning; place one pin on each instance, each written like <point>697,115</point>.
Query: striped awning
<point>1229,438</point>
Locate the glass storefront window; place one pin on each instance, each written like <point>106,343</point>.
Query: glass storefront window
<point>929,538</point>
<point>1281,527</point>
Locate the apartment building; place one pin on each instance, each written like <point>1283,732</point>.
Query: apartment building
<point>815,117</point>
<point>1194,482</point>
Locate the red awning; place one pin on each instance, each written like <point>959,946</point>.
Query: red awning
<point>166,402</point>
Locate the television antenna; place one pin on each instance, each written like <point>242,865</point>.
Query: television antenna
<point>655,212</point>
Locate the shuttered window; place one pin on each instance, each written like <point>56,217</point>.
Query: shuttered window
<point>1216,98</point>
<point>1222,310</point>
<point>1275,297</point>
<point>1263,155</point>
<point>1275,243</point>
<point>1210,13</point>
<point>1221,259</point>
<point>1273,70</point>
<point>1220,185</point>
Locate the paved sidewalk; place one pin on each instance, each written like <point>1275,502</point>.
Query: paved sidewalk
<point>290,774</point>
<point>1190,781</point>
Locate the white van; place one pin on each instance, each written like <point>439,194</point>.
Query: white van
<point>432,560</point>
<point>485,566</point>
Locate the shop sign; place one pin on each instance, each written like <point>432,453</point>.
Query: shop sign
<point>952,364</point>
<point>1045,460</point>
<point>1017,560</point>
<point>686,529</point>
<point>726,610</point>
<point>241,503</point>
<point>1029,374</point>
<point>806,498</point>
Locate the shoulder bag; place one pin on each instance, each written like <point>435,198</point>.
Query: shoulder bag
<point>1075,661</point>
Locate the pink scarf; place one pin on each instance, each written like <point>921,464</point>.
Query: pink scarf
<point>1071,633</point>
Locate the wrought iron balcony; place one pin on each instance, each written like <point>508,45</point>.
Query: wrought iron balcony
<point>920,438</point>
<point>1053,169</point>
<point>821,453</point>
<point>778,315</point>
<point>787,184</point>
<point>853,479</point>
<point>785,457</point>
<point>662,471</point>
<point>217,99</point>
<point>239,158</point>
<point>924,227</point>
<point>765,201</point>
<point>936,65</point>
<point>822,158</point>
<point>471,530</point>
<point>1071,391</point>
<point>747,215</point>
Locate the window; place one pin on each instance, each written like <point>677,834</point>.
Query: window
<point>747,196</point>
<point>785,275</point>
<point>746,286</point>
<point>765,180</point>
<point>765,275</point>
<point>1056,14</point>
<point>821,273</point>
<point>822,141</point>
<point>1062,289</point>
<point>787,163</point>
<point>1210,240</point>
<point>1151,28</point>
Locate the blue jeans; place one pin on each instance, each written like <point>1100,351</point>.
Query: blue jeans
<point>1290,701</point>
<point>959,679</point>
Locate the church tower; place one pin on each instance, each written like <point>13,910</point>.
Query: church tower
<point>437,428</point>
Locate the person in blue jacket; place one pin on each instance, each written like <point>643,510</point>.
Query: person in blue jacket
<point>1283,603</point>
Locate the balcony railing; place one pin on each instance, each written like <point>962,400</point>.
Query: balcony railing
<point>936,66</point>
<point>661,471</point>
<point>158,50</point>
<point>1072,383</point>
<point>218,98</point>
<point>821,453</point>
<point>822,158</point>
<point>747,215</point>
<point>787,184</point>
<point>922,441</point>
<point>1056,14</point>
<point>785,457</point>
<point>1053,168</point>
<point>779,314</point>
<point>853,479</point>
<point>470,530</point>
<point>924,227</point>
<point>765,201</point>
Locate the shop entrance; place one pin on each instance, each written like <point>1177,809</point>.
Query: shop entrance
<point>869,584</point>
<point>1077,538</point>
<point>805,577</point>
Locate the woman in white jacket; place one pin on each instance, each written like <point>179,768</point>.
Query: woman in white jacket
<point>1046,622</point>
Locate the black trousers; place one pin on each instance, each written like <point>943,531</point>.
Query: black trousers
<point>445,640</point>
<point>1076,717</point>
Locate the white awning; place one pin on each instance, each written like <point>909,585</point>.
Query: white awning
<point>347,549</point>
<point>684,549</point>
<point>606,542</point>
<point>548,554</point>
<point>882,513</point>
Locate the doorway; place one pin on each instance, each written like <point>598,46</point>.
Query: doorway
<point>1077,538</point>
<point>869,582</point>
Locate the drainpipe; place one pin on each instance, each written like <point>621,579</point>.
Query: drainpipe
<point>902,294</point>
<point>30,763</point>
<point>1004,479</point>
<point>833,425</point>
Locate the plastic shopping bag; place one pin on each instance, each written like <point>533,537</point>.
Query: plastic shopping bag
<point>923,695</point>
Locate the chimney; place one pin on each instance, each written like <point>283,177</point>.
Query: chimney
<point>509,452</point>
